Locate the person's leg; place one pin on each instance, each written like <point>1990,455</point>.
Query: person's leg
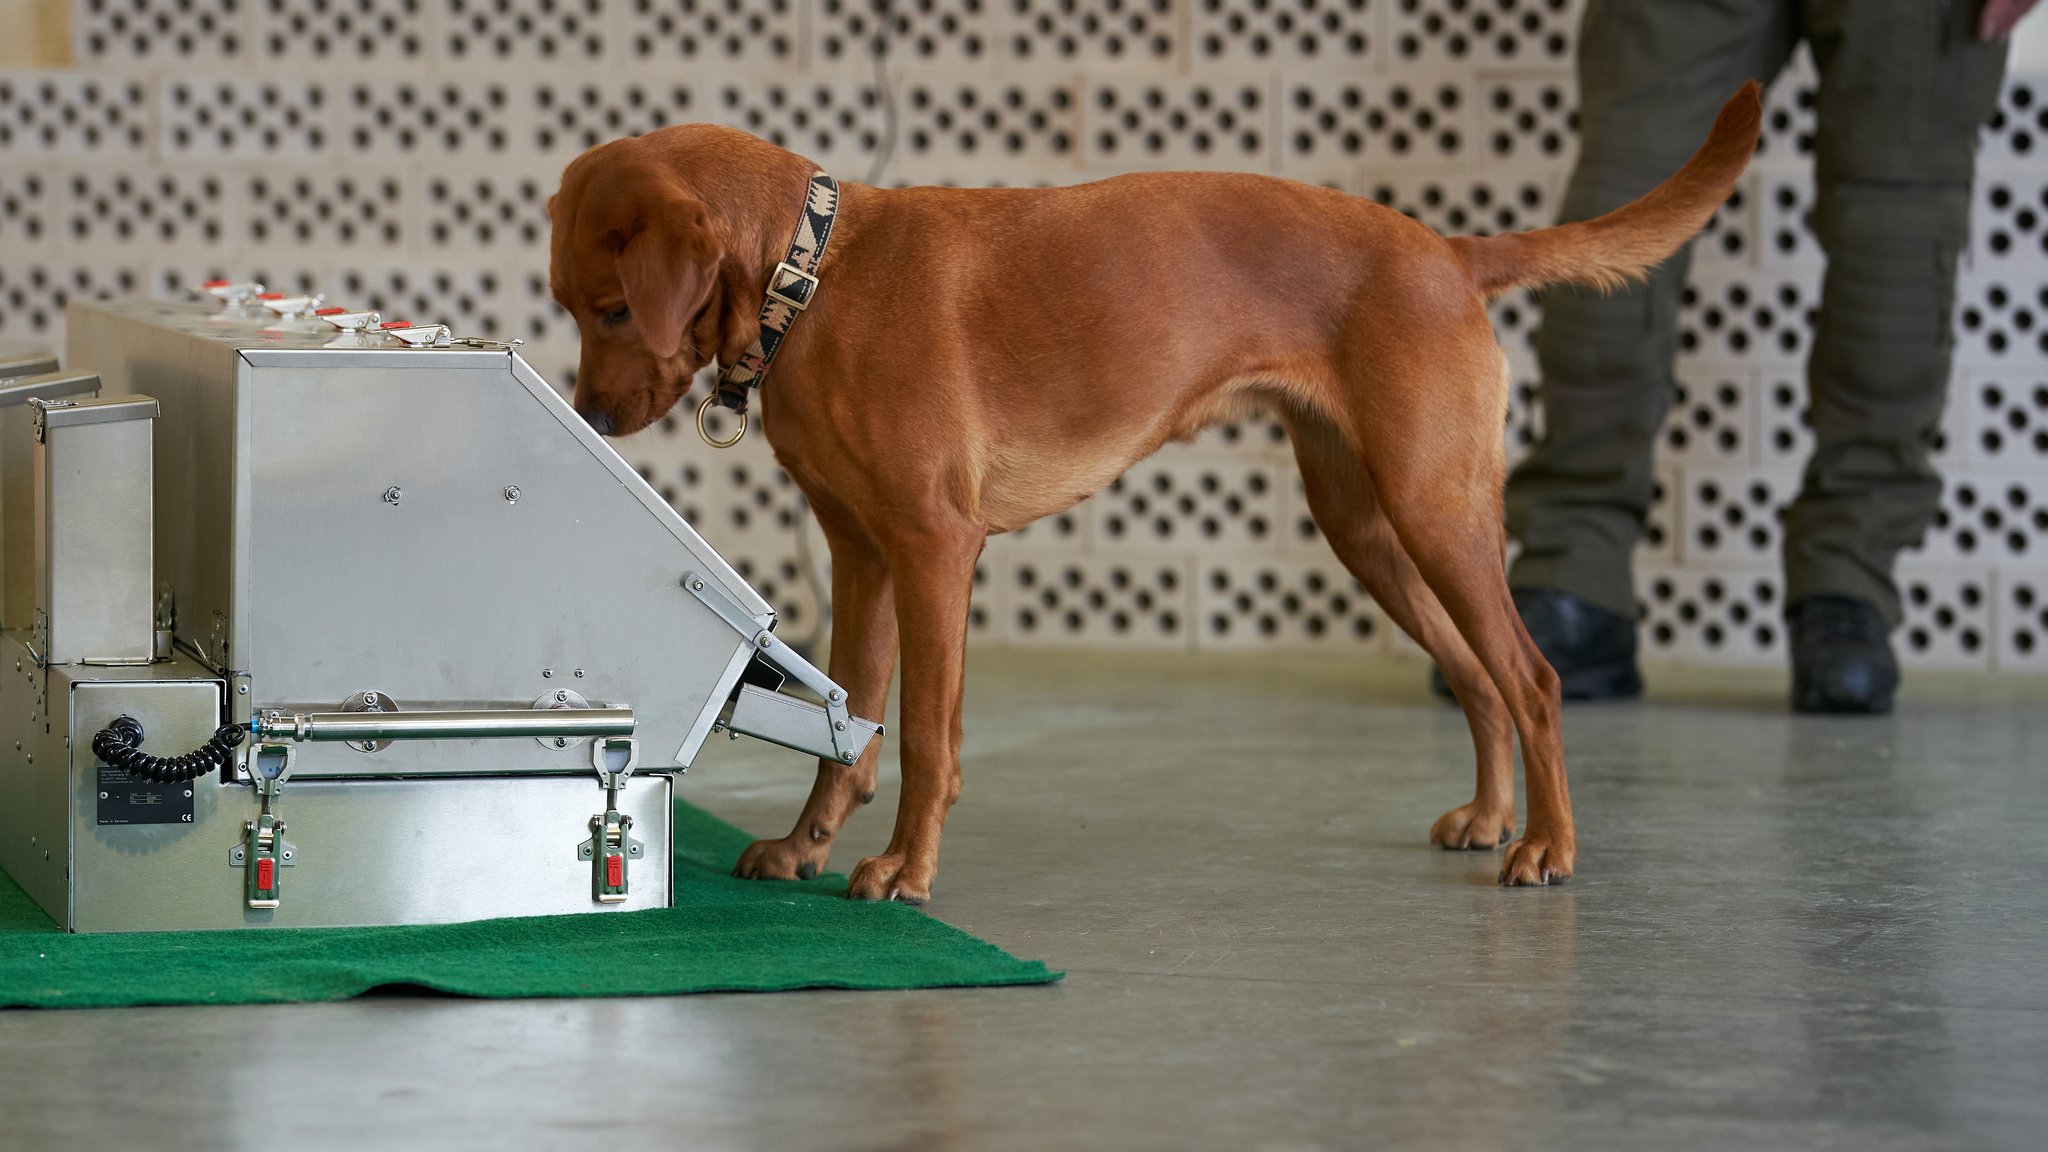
<point>1904,87</point>
<point>1652,76</point>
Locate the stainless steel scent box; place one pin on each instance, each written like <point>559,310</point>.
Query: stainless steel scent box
<point>308,624</point>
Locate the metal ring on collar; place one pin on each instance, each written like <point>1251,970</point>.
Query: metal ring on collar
<point>706,432</point>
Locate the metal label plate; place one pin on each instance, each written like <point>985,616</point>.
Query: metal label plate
<point>128,799</point>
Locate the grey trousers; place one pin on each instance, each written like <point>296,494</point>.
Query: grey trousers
<point>1904,87</point>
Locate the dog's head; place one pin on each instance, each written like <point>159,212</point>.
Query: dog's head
<point>646,266</point>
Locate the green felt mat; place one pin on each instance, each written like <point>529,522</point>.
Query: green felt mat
<point>723,935</point>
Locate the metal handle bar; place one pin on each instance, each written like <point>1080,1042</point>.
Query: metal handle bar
<point>452,724</point>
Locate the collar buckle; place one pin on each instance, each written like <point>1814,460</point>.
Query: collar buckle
<point>792,287</point>
<point>778,288</point>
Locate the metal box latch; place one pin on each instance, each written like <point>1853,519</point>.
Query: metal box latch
<point>611,843</point>
<point>263,850</point>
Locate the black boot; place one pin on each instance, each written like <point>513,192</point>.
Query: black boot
<point>1592,650</point>
<point>1841,656</point>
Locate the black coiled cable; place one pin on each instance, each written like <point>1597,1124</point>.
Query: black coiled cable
<point>120,744</point>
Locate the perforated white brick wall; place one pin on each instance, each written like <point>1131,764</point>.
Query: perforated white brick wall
<point>397,153</point>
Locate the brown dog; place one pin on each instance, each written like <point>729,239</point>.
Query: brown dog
<point>977,359</point>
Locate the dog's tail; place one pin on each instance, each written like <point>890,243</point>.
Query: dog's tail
<point>1609,251</point>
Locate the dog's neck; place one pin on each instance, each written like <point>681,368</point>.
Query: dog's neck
<point>760,239</point>
<point>757,241</point>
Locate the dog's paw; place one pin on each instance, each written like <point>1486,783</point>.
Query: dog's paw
<point>1539,859</point>
<point>1470,826</point>
<point>786,859</point>
<point>890,877</point>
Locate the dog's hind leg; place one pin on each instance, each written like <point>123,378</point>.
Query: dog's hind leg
<point>1425,406</point>
<point>863,658</point>
<point>1341,497</point>
<point>932,565</point>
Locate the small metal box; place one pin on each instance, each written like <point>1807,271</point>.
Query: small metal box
<point>93,529</point>
<point>18,475</point>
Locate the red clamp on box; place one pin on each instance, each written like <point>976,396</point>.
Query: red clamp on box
<point>263,849</point>
<point>290,306</point>
<point>231,292</point>
<point>611,842</point>
<point>348,319</point>
<point>417,335</point>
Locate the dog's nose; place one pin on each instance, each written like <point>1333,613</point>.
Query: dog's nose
<point>599,421</point>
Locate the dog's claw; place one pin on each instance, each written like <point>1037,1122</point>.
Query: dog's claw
<point>1536,860</point>
<point>1469,827</point>
<point>789,858</point>
<point>890,877</point>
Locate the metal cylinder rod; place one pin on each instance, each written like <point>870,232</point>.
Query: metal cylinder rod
<point>454,724</point>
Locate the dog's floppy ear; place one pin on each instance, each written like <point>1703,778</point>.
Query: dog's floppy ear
<point>668,267</point>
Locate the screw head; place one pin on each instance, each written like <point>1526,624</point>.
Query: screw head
<point>241,689</point>
<point>561,741</point>
<point>103,795</point>
<point>835,695</point>
<point>579,673</point>
<point>695,586</point>
<point>562,697</point>
<point>847,756</point>
<point>511,493</point>
<point>188,793</point>
<point>547,673</point>
<point>839,725</point>
<point>393,494</point>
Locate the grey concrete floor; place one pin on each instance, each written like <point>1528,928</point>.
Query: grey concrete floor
<point>1800,933</point>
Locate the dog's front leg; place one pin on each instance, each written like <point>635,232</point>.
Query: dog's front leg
<point>933,573</point>
<point>863,659</point>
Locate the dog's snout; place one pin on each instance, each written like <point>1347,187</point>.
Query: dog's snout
<point>599,420</point>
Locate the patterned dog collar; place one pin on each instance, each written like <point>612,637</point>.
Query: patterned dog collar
<point>791,288</point>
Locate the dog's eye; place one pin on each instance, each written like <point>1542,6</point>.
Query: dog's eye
<point>614,319</point>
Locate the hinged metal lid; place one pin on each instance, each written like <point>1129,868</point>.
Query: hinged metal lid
<point>50,385</point>
<point>40,364</point>
<point>101,410</point>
